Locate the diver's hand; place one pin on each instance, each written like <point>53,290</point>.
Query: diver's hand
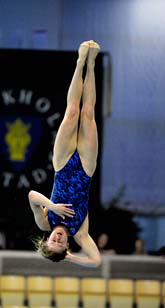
<point>62,210</point>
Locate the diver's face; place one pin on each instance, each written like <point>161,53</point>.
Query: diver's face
<point>58,240</point>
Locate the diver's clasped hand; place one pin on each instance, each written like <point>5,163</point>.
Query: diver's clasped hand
<point>62,210</point>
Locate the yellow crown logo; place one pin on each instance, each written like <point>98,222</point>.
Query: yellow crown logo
<point>17,139</point>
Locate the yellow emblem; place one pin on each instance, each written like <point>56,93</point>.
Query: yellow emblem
<point>17,139</point>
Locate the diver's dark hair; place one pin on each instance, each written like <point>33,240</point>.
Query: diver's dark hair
<point>56,257</point>
<point>41,247</point>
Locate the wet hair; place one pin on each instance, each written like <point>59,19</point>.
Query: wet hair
<point>41,247</point>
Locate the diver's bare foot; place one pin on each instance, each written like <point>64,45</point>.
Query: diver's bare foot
<point>83,51</point>
<point>94,49</point>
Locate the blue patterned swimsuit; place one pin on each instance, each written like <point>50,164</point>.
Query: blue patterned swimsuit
<point>71,185</point>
